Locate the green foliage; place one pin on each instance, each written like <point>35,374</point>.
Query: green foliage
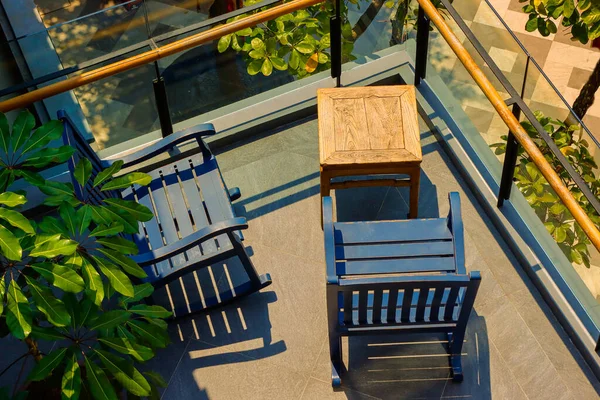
<point>298,42</point>
<point>66,277</point>
<point>24,151</point>
<point>581,16</point>
<point>558,221</point>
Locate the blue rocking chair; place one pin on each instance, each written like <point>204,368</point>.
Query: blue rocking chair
<point>397,276</point>
<point>194,228</point>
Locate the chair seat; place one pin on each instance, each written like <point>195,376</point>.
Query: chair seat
<point>185,196</point>
<point>385,247</point>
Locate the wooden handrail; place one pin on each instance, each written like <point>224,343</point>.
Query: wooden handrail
<point>153,55</point>
<point>513,124</point>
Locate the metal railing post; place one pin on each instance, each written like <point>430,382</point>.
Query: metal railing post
<point>510,162</point>
<point>162,103</point>
<point>512,150</point>
<point>335,28</point>
<point>422,44</point>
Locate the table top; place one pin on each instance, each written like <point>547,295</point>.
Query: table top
<point>362,126</point>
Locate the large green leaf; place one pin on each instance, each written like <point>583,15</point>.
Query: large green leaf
<point>119,244</point>
<point>151,334</point>
<point>69,216</point>
<point>99,216</point>
<point>71,380</point>
<point>45,366</point>
<point>62,277</point>
<point>125,373</point>
<point>51,130</point>
<point>138,211</point>
<point>122,182</point>
<point>45,156</point>
<point>2,293</point>
<point>11,199</point>
<point>53,308</point>
<point>9,245</point>
<point>51,249</point>
<point>107,230</point>
<point>126,346</point>
<point>150,311</point>
<point>93,281</point>
<point>111,214</point>
<point>21,129</point>
<point>98,382</point>
<point>84,217</point>
<point>52,225</point>
<point>108,172</point>
<point>118,280</point>
<point>109,320</point>
<point>53,188</point>
<point>4,133</point>
<point>18,313</point>
<point>126,263</point>
<point>16,219</point>
<point>32,177</point>
<point>141,292</point>
<point>83,171</point>
<point>46,333</point>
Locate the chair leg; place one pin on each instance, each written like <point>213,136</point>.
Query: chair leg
<point>335,340</point>
<point>455,343</point>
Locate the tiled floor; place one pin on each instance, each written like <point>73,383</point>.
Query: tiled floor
<point>272,345</point>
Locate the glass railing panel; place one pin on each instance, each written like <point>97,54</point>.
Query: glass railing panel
<point>99,34</point>
<point>368,27</point>
<point>245,64</point>
<point>496,40</point>
<point>559,222</point>
<point>481,120</point>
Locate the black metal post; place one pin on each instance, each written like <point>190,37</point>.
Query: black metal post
<point>335,29</point>
<point>510,162</point>
<point>162,104</point>
<point>422,45</point>
<point>512,150</point>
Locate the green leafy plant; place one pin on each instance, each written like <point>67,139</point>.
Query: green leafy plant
<point>558,221</point>
<point>298,42</point>
<point>582,19</point>
<point>23,151</point>
<point>67,278</point>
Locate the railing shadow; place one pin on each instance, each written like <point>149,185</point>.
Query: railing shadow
<point>416,365</point>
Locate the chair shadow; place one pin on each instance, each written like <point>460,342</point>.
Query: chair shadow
<point>234,333</point>
<point>385,203</point>
<point>416,365</point>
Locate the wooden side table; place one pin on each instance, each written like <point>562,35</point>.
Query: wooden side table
<point>370,131</point>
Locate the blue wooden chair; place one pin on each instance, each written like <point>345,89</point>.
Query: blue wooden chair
<point>194,225</point>
<point>397,276</point>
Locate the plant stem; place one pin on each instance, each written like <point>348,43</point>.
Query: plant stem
<point>33,349</point>
<point>13,363</point>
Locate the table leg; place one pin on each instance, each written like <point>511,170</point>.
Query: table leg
<point>325,190</point>
<point>415,177</point>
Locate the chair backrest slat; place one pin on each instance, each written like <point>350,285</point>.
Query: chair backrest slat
<point>377,300</point>
<point>362,306</point>
<point>451,304</point>
<point>407,299</point>
<point>347,307</point>
<point>435,304</point>
<point>422,302</point>
<point>391,306</point>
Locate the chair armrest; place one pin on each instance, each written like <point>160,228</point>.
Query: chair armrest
<point>455,225</point>
<point>329,241</point>
<point>164,144</point>
<point>196,238</point>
